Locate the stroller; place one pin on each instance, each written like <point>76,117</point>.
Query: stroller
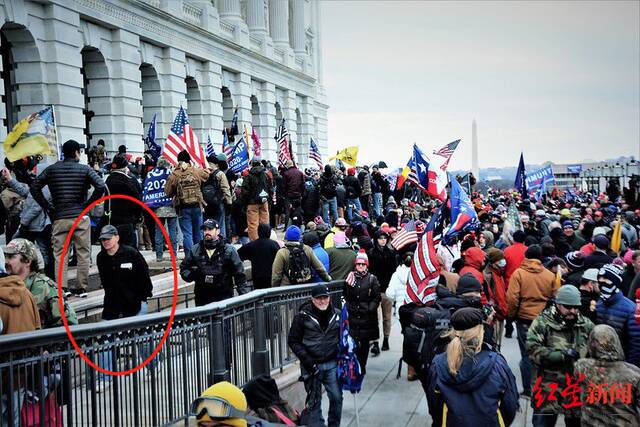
<point>263,398</point>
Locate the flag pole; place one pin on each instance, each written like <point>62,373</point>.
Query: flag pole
<point>55,126</point>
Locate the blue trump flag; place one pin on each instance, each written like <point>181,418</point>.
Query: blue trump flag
<point>463,215</point>
<point>521,178</point>
<point>349,373</point>
<point>421,166</point>
<point>150,140</point>
<point>239,157</point>
<point>153,194</point>
<point>234,123</point>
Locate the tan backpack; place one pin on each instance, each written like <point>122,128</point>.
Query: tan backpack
<point>188,190</point>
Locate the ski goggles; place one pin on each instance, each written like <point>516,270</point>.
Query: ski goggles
<point>215,408</point>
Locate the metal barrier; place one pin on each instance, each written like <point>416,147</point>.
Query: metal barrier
<point>42,376</point>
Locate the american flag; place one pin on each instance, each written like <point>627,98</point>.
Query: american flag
<point>447,152</point>
<point>257,146</point>
<point>211,152</point>
<point>180,138</point>
<point>282,138</point>
<point>405,236</point>
<point>314,154</point>
<point>227,148</point>
<point>423,277</point>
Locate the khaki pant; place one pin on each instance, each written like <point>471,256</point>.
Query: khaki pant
<point>256,214</point>
<point>81,238</point>
<point>498,333</point>
<point>387,305</point>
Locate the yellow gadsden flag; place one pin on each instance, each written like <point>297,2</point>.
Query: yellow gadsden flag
<point>34,135</point>
<point>349,156</point>
<point>616,238</point>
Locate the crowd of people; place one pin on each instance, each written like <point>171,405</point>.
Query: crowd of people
<point>562,271</point>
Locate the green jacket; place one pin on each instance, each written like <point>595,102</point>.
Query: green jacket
<point>281,265</point>
<point>341,262</point>
<point>45,293</point>
<point>547,337</point>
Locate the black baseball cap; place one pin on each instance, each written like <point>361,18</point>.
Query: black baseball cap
<point>320,290</point>
<point>210,224</point>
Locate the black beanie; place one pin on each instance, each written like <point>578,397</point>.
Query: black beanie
<point>466,244</point>
<point>466,318</point>
<point>533,252</point>
<point>468,283</point>
<point>184,156</point>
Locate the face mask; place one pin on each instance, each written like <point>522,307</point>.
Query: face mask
<point>502,263</point>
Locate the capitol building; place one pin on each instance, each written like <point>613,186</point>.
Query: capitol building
<point>107,66</point>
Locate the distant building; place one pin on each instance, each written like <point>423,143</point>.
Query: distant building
<point>594,175</point>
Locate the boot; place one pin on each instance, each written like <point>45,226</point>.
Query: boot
<point>375,350</point>
<point>385,344</point>
<point>411,373</point>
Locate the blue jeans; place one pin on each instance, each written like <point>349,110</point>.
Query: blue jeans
<point>327,204</point>
<point>172,229</point>
<point>223,224</point>
<point>350,204</point>
<point>190,223</point>
<point>522,327</point>
<point>328,377</point>
<point>377,204</point>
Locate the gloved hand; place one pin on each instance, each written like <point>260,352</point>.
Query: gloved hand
<point>570,354</point>
<point>314,371</point>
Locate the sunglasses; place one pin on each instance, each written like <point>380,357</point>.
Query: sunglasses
<point>361,263</point>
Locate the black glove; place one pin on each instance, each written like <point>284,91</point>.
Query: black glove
<point>570,354</point>
<point>194,272</point>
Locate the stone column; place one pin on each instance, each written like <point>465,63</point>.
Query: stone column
<point>318,42</point>
<point>321,114</point>
<point>229,9</point>
<point>171,76</point>
<point>306,132</point>
<point>211,104</point>
<point>242,101</point>
<point>279,22</point>
<point>126,94</point>
<point>288,105</point>
<point>256,19</point>
<point>298,35</point>
<point>267,103</point>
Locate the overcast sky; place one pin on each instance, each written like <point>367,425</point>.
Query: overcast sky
<point>558,80</point>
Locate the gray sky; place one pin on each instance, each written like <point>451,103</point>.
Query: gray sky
<point>558,80</point>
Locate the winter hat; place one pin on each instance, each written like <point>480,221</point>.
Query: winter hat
<point>184,156</point>
<point>599,231</point>
<point>568,295</point>
<point>340,239</point>
<point>224,391</point>
<point>601,242</point>
<point>119,161</point>
<point>494,255</point>
<point>311,239</point>
<point>466,318</point>
<point>362,257</point>
<point>351,171</point>
<point>574,259</point>
<point>292,234</point>
<point>567,224</point>
<point>466,244</point>
<point>590,274</point>
<point>614,274</point>
<point>468,283</point>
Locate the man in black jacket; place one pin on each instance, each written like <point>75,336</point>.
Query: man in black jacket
<point>256,193</point>
<point>125,214</point>
<point>261,253</point>
<point>124,275</point>
<point>214,266</point>
<point>68,182</point>
<point>293,186</point>
<point>313,337</point>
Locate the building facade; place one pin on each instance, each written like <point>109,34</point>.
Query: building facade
<point>107,66</point>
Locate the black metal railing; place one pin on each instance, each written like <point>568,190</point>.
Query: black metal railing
<point>42,376</point>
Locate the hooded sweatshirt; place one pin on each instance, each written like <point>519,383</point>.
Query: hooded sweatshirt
<point>18,309</point>
<point>605,365</point>
<point>482,393</point>
<point>530,287</point>
<point>261,253</point>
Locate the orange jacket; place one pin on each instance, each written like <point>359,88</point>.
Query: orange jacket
<point>18,309</point>
<point>530,287</point>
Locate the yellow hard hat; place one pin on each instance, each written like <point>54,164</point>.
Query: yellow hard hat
<point>221,401</point>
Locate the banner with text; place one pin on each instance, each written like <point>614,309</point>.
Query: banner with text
<point>536,178</point>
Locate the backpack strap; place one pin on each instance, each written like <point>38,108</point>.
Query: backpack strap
<point>282,417</point>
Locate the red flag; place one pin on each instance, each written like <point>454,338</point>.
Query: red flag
<point>257,147</point>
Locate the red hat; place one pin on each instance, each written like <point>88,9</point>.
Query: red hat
<point>351,171</point>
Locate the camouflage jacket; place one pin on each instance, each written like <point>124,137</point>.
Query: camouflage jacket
<point>607,374</point>
<point>547,337</point>
<point>45,293</point>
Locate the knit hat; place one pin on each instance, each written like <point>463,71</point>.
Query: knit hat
<point>351,171</point>
<point>613,273</point>
<point>601,242</point>
<point>466,318</point>
<point>341,222</point>
<point>339,239</point>
<point>494,255</point>
<point>468,283</point>
<point>597,231</point>
<point>119,161</point>
<point>227,392</point>
<point>568,295</point>
<point>574,259</point>
<point>567,224</point>
<point>292,234</point>
<point>184,156</point>
<point>590,274</point>
<point>311,239</point>
<point>362,257</point>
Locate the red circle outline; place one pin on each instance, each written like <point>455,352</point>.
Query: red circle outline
<point>175,285</point>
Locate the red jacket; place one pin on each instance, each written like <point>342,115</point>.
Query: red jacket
<point>474,263</point>
<point>497,292</point>
<point>514,255</point>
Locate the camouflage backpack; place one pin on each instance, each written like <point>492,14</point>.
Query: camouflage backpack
<point>188,190</point>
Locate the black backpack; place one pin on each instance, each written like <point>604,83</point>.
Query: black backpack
<point>262,190</point>
<point>211,192</point>
<point>423,329</point>
<point>299,270</point>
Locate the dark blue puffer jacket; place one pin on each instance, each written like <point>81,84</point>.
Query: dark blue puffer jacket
<point>483,392</point>
<point>619,313</point>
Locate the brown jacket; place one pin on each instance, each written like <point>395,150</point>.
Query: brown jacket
<point>530,286</point>
<point>18,309</point>
<point>281,265</point>
<point>181,171</point>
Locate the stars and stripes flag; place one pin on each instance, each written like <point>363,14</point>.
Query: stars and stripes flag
<point>446,152</point>
<point>211,152</point>
<point>227,148</point>
<point>425,270</point>
<point>405,236</point>
<point>314,154</point>
<point>282,138</point>
<point>463,214</point>
<point>180,138</point>
<point>257,146</point>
